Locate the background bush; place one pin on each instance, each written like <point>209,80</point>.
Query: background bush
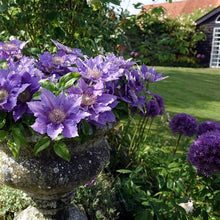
<point>164,41</point>
<point>90,27</point>
<point>95,27</point>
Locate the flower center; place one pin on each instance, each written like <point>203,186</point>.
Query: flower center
<point>95,73</point>
<point>3,94</point>
<point>9,46</point>
<point>57,116</point>
<point>88,99</point>
<point>58,60</point>
<point>25,96</point>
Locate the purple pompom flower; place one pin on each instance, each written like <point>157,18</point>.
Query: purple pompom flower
<point>183,124</point>
<point>153,109</point>
<point>208,126</point>
<point>160,102</point>
<point>57,114</point>
<point>204,153</point>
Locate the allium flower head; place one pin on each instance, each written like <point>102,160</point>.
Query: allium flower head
<point>153,108</point>
<point>57,114</point>
<point>208,126</point>
<point>183,124</point>
<point>204,153</point>
<point>160,102</point>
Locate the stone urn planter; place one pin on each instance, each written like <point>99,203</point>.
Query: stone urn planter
<point>50,180</point>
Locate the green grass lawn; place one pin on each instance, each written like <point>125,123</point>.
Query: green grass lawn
<point>192,91</point>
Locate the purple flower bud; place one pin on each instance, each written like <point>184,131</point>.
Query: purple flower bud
<point>87,184</point>
<point>93,181</point>
<point>135,54</point>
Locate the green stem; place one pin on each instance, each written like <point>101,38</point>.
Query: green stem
<point>177,144</point>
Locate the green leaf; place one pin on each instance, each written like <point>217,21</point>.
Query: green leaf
<point>115,2</point>
<point>62,151</point>
<point>146,214</point>
<point>138,5</point>
<point>14,147</point>
<point>47,84</point>
<point>2,119</point>
<point>42,144</point>
<point>18,133</point>
<point>3,135</point>
<point>85,127</point>
<point>124,171</point>
<point>36,95</point>
<point>3,7</point>
<point>68,80</point>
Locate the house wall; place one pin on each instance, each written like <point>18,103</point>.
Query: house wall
<point>205,47</point>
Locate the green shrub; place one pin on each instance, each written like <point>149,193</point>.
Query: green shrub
<point>164,41</point>
<point>11,201</point>
<point>153,180</point>
<point>90,27</point>
<point>97,198</point>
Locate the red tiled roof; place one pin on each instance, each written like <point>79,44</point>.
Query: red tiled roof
<point>176,9</point>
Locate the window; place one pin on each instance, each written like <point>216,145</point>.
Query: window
<point>217,20</point>
<point>215,54</point>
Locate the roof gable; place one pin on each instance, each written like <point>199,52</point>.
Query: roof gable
<point>208,15</point>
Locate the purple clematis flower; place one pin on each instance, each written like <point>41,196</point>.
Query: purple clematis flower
<point>68,50</point>
<point>132,91</point>
<point>120,62</point>
<point>98,68</point>
<point>25,95</point>
<point>59,63</point>
<point>94,101</point>
<point>11,49</point>
<point>150,75</point>
<point>57,114</point>
<point>10,87</point>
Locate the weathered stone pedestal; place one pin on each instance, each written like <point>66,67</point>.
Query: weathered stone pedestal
<point>50,180</point>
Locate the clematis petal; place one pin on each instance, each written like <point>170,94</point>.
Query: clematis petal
<point>40,126</point>
<point>53,130</point>
<point>70,129</point>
